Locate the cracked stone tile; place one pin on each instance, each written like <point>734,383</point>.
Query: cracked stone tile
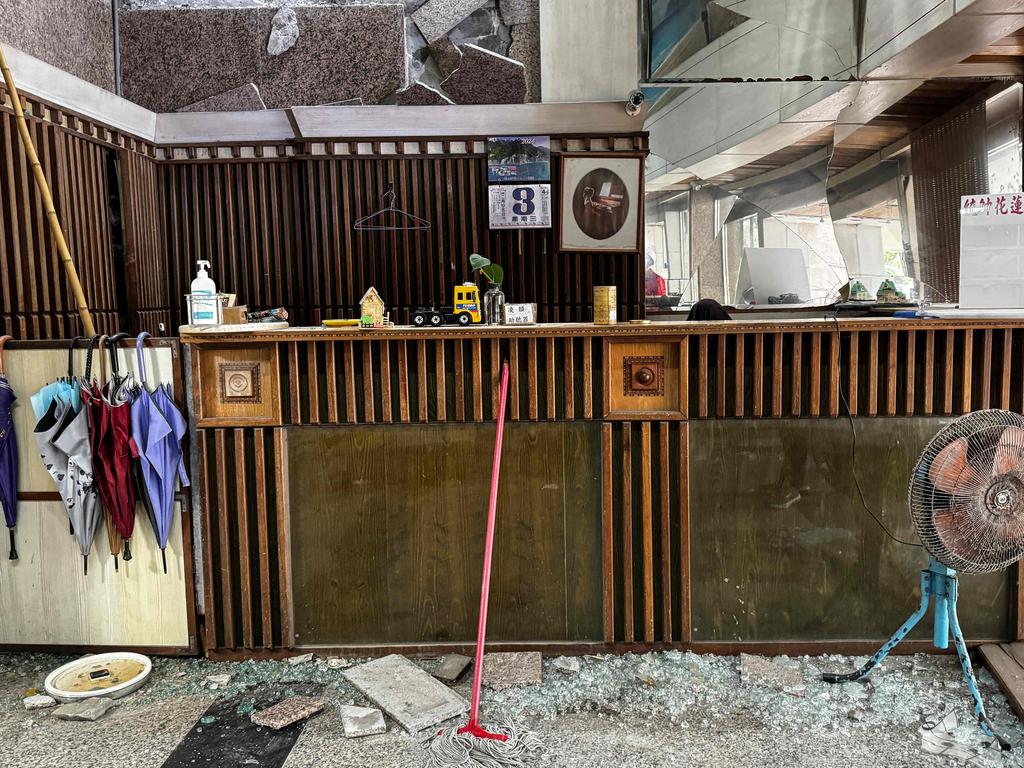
<point>483,28</point>
<point>446,56</point>
<point>484,77</point>
<point>436,17</point>
<point>525,49</point>
<point>245,98</point>
<point>519,11</point>
<point>420,95</point>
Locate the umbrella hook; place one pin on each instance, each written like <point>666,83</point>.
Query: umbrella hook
<point>139,342</point>
<point>71,357</point>
<point>88,356</point>
<point>3,341</point>
<point>112,350</point>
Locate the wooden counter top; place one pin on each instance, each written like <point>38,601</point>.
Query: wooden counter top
<point>542,330</point>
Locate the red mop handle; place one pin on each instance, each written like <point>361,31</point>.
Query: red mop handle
<point>473,726</point>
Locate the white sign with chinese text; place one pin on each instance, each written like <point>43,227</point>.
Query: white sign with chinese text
<point>520,314</point>
<point>525,206</point>
<point>992,251</point>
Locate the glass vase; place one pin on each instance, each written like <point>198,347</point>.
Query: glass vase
<point>494,303</point>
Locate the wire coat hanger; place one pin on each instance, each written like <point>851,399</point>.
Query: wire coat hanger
<point>404,221</point>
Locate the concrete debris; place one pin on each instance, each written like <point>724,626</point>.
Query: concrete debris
<point>484,77</point>
<point>39,701</point>
<point>452,667</point>
<point>284,31</point>
<point>303,659</point>
<point>766,673</point>
<point>435,17</point>
<point>335,662</point>
<point>361,721</point>
<point>567,665</point>
<point>88,710</point>
<point>648,680</point>
<point>218,681</point>
<point>407,693</point>
<point>289,711</point>
<point>508,670</point>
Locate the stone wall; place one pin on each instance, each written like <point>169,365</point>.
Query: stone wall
<point>255,55</point>
<point>75,36</point>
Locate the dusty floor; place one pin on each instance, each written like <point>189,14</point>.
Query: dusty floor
<point>666,709</point>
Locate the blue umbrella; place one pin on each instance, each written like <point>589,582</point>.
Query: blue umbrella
<point>157,430</point>
<point>66,388</point>
<point>8,451</point>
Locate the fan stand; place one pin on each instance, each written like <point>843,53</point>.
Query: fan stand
<point>940,583</point>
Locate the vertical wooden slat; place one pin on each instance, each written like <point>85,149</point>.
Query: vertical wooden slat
<point>702,376</point>
<point>853,368</point>
<point>569,381</point>
<point>627,533</point>
<point>948,373</point>
<point>607,513</point>
<point>351,413</point>
<point>496,362</point>
<point>421,379</point>
<point>814,385</point>
<point>369,374</point>
<point>685,621</point>
<point>588,377</point>
<point>459,373</point>
<point>986,369</point>
<point>833,374</point>
<point>796,366</point>
<point>664,462</point>
<point>293,382</point>
<point>403,381</point>
<point>478,380</point>
<point>967,368</point>
<point>513,379</point>
<point>891,376</point>
<point>758,404</point>
<point>684,377</point>
<point>720,352</point>
<point>777,375</point>
<point>384,351</point>
<point>531,381</point>
<point>647,508</point>
<point>550,390</point>
<point>312,383</point>
<point>929,373</point>
<point>206,525</point>
<point>331,371</point>
<point>873,374</point>
<point>227,551</point>
<point>284,546</point>
<point>441,375</point>
<point>263,535</point>
<point>242,524</point>
<point>740,372</point>
<point>1004,386</point>
<point>911,372</point>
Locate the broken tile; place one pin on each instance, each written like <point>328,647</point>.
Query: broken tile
<point>334,662</point>
<point>420,95</point>
<point>344,52</point>
<point>407,693</point>
<point>525,49</point>
<point>507,670</point>
<point>361,721</point>
<point>284,31</point>
<point>766,673</point>
<point>519,11</point>
<point>452,667</point>
<point>289,711</point>
<point>218,681</point>
<point>486,78</point>
<point>483,28</point>
<point>38,701</point>
<point>300,659</point>
<point>446,55</point>
<point>567,665</point>
<point>435,17</point>
<point>243,99</point>
<point>87,710</point>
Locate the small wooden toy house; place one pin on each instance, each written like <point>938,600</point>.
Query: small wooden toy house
<point>372,306</point>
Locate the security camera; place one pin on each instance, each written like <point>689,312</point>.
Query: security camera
<point>634,102</point>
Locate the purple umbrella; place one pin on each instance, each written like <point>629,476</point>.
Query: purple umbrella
<point>157,430</point>
<point>8,451</point>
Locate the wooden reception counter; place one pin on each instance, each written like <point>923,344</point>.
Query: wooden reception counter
<point>702,485</point>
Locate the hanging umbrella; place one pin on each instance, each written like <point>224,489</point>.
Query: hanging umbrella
<point>157,429</point>
<point>95,407</point>
<point>120,494</point>
<point>62,435</point>
<point>66,387</point>
<point>8,451</point>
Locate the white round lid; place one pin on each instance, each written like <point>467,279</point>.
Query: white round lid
<point>111,675</point>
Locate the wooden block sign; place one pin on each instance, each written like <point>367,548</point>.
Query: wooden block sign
<point>519,314</point>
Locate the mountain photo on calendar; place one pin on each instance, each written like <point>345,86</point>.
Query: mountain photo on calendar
<point>515,159</point>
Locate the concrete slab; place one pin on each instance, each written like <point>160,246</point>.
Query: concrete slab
<point>88,710</point>
<point>361,721</point>
<point>508,670</point>
<point>435,17</point>
<point>452,667</point>
<point>407,693</point>
<point>484,77</point>
<point>289,711</point>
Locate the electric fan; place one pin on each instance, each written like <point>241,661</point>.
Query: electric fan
<point>967,502</point>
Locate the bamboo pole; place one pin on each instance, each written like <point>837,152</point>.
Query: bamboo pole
<point>88,328</point>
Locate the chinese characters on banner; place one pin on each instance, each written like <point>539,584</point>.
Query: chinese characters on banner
<point>992,205</point>
<point>520,207</point>
<point>992,251</point>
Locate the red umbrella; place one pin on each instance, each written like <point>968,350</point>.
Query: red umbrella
<point>118,489</point>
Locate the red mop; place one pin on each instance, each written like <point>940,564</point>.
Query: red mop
<point>472,744</point>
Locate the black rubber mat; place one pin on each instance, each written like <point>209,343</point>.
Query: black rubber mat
<point>230,738</point>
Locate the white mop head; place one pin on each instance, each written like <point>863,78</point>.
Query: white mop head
<point>450,748</point>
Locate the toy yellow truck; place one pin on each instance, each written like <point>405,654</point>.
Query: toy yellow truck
<point>465,309</point>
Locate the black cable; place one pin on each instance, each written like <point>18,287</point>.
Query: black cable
<point>853,444</point>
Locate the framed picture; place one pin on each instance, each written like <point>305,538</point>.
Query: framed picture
<point>601,202</point>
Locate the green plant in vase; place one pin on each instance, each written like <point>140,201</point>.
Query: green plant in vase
<point>494,298</point>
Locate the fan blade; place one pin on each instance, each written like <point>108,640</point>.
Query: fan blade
<point>955,528</point>
<point>1010,452</point>
<point>950,467</point>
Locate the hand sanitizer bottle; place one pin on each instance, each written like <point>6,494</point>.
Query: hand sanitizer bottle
<point>203,311</point>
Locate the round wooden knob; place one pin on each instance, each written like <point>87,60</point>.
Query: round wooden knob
<point>644,376</point>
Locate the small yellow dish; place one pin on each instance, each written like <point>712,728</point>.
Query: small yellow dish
<point>340,323</point>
